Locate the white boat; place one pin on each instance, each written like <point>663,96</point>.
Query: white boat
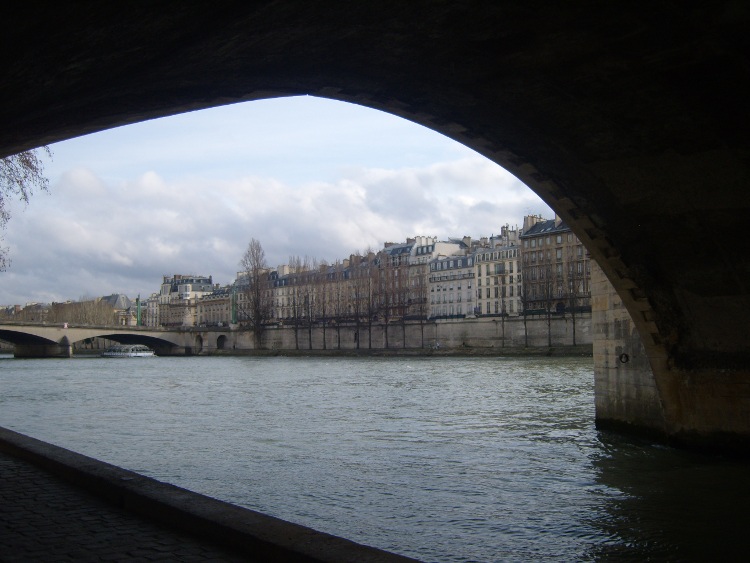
<point>128,351</point>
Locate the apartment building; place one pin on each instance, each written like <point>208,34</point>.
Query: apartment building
<point>179,296</point>
<point>215,308</point>
<point>498,274</point>
<point>556,267</point>
<point>451,287</point>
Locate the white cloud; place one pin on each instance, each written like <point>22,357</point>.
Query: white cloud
<point>112,227</point>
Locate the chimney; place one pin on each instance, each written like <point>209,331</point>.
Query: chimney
<point>531,220</point>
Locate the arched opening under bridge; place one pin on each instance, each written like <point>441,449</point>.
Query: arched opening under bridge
<point>629,122</point>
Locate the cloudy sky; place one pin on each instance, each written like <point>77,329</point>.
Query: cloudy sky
<point>185,194</point>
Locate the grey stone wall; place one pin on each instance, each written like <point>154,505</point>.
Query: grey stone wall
<point>489,334</point>
<point>624,387</point>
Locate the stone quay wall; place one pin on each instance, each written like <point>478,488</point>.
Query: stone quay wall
<point>491,335</point>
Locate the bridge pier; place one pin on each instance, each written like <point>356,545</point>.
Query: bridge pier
<point>642,393</point>
<point>43,351</point>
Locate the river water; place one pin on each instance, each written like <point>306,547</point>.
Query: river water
<point>440,459</point>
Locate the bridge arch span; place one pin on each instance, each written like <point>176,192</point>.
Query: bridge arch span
<point>160,345</point>
<point>630,122</point>
<point>21,337</point>
<point>50,341</point>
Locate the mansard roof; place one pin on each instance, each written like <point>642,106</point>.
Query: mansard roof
<point>118,301</point>
<point>399,249</point>
<point>546,227</point>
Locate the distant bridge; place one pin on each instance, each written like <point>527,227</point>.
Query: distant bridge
<point>46,341</point>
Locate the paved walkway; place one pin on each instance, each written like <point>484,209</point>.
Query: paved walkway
<point>43,518</point>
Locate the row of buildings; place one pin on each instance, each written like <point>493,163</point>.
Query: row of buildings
<point>540,268</point>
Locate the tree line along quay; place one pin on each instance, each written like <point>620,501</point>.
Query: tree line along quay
<point>528,286</point>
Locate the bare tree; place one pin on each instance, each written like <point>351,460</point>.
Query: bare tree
<point>259,306</point>
<point>295,267</point>
<point>359,289</point>
<point>526,301</point>
<point>338,303</point>
<point>574,290</point>
<point>548,295</point>
<point>322,290</point>
<point>310,297</point>
<point>503,313</point>
<point>86,311</point>
<point>385,292</point>
<point>298,268</point>
<point>20,175</point>
<point>419,299</point>
<point>403,296</point>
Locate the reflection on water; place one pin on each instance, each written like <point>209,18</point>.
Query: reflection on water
<point>671,505</point>
<point>461,459</point>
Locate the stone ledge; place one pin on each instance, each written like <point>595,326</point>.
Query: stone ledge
<point>249,532</point>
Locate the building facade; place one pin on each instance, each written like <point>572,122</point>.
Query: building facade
<point>178,299</point>
<point>556,268</point>
<point>451,287</point>
<point>498,274</point>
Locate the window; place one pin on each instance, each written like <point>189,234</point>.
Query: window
<point>558,239</point>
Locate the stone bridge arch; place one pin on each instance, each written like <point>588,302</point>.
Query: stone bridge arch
<point>31,340</point>
<point>628,119</point>
<point>160,345</point>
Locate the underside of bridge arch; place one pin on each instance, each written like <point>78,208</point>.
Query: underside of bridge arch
<point>629,119</point>
<point>160,346</point>
<point>20,337</point>
<point>26,345</point>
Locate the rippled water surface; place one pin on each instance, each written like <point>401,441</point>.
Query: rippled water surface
<point>461,459</point>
